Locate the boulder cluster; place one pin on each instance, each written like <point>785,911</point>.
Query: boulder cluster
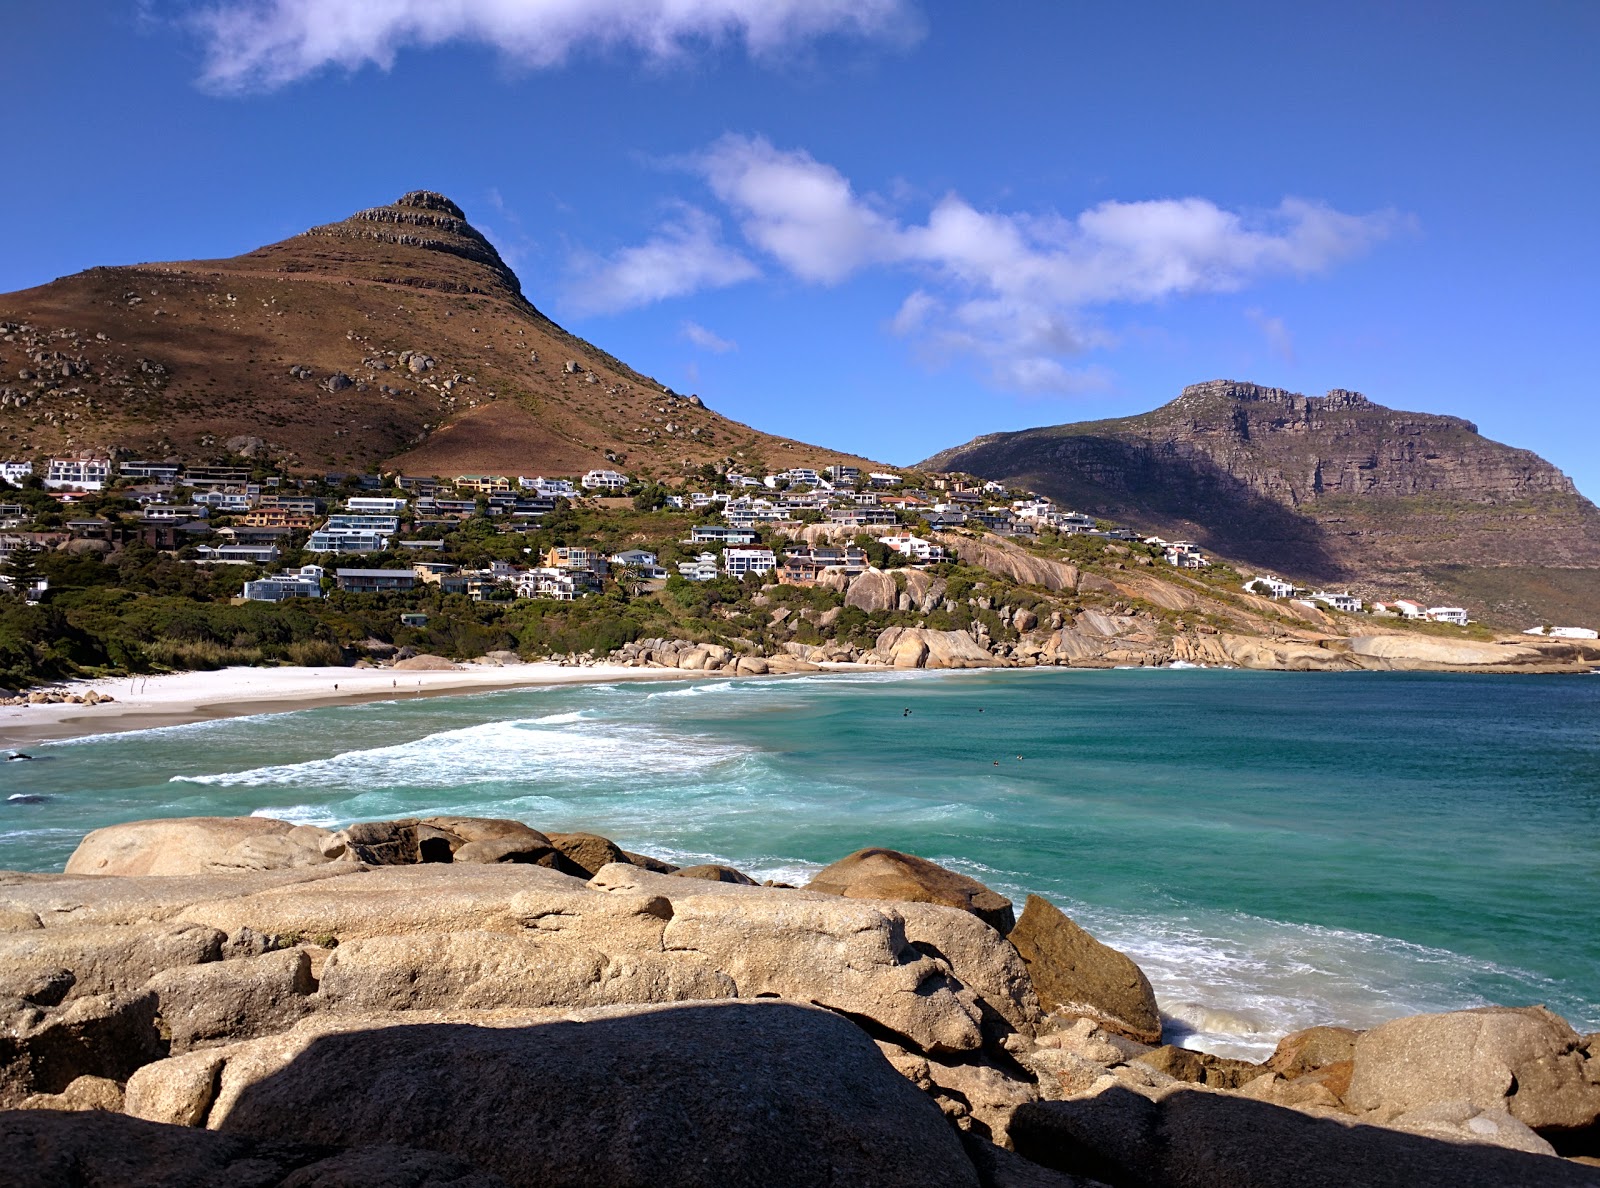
<point>53,697</point>
<point>466,1001</point>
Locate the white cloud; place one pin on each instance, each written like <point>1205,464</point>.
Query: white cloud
<point>708,340</point>
<point>1279,340</point>
<point>1015,289</point>
<point>261,44</point>
<point>685,255</point>
<point>797,209</point>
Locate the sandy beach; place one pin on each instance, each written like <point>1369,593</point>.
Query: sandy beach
<point>175,698</point>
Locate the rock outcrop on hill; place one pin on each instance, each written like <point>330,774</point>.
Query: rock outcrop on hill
<point>1331,488</point>
<point>398,335</point>
<point>405,1011</point>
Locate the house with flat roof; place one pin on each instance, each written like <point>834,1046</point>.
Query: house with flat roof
<point>718,534</point>
<point>77,474</point>
<point>605,480</point>
<point>275,587</point>
<point>740,562</point>
<point>922,551</point>
<point>375,581</point>
<point>346,542</point>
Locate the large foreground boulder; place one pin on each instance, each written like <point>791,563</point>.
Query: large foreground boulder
<point>889,874</point>
<point>1523,1060</point>
<point>771,1093</point>
<point>45,1149</point>
<point>1194,1138</point>
<point>1075,974</point>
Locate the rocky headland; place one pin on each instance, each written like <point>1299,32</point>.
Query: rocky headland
<point>464,1001</point>
<point>1335,488</point>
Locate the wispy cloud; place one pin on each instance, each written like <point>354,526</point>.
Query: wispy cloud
<point>1017,290</point>
<point>708,340</point>
<point>263,44</point>
<point>685,255</point>
<point>1279,341</point>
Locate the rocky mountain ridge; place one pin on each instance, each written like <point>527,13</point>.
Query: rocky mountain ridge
<point>1330,489</point>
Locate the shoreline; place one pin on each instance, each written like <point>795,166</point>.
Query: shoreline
<point>181,698</point>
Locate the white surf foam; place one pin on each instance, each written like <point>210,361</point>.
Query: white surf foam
<point>537,752</point>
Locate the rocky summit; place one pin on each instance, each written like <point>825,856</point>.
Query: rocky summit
<point>396,337</point>
<point>1330,489</point>
<point>474,1002</point>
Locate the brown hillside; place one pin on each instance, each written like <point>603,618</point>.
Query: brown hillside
<point>1329,489</point>
<point>397,336</point>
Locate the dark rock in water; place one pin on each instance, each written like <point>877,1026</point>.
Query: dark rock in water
<point>690,1095</point>
<point>1076,974</point>
<point>716,874</point>
<point>45,1148</point>
<point>1196,1139</point>
<point>888,874</point>
<point>27,798</point>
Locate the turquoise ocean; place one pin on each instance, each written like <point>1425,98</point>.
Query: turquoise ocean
<point>1275,849</point>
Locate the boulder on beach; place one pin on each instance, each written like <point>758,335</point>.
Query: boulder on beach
<point>426,663</point>
<point>889,874</point>
<point>1075,974</point>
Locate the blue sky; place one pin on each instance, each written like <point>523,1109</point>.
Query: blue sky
<point>889,225</point>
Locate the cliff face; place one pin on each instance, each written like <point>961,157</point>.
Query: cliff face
<point>1331,488</point>
<point>396,336</point>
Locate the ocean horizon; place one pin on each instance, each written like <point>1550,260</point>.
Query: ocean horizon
<point>1275,850</point>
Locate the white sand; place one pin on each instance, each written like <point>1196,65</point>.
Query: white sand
<point>143,702</point>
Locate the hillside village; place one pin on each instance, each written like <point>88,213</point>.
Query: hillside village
<point>401,525</point>
<point>762,571</point>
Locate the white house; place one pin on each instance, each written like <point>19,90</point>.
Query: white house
<point>794,476</point>
<point>78,474</point>
<point>1407,609</point>
<point>1565,632</point>
<point>552,488</point>
<point>323,541</point>
<point>1275,587</point>
<point>914,547</point>
<point>307,583</point>
<point>375,505</point>
<point>605,480</point>
<point>1448,614</point>
<point>549,582</point>
<point>1346,602</point>
<point>1184,556</point>
<point>739,562</point>
<point>702,569</point>
<point>882,480</point>
<point>717,534</point>
<point>227,502</point>
<point>16,473</point>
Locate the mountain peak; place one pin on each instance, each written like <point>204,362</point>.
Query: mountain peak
<point>430,200</point>
<point>423,219</point>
